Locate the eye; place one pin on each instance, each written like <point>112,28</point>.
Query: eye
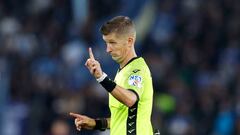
<point>112,42</point>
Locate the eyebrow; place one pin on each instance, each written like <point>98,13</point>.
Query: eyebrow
<point>110,40</point>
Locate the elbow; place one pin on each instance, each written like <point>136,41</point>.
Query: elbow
<point>131,102</point>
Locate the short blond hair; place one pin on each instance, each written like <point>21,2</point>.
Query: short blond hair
<point>118,25</point>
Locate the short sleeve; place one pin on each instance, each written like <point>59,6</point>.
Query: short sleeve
<point>135,82</point>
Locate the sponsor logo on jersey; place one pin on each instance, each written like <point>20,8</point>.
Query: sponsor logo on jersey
<point>135,70</point>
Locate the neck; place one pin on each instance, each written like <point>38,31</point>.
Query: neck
<point>127,59</point>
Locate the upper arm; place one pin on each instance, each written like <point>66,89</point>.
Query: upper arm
<point>135,82</point>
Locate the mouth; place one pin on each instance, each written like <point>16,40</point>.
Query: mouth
<point>113,55</point>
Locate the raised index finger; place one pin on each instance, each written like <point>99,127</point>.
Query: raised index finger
<point>91,53</point>
<point>75,115</point>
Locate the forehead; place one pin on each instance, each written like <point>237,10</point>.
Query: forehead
<point>111,36</point>
<point>114,37</point>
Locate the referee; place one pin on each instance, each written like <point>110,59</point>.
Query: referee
<point>131,92</point>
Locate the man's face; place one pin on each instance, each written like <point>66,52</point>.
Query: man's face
<point>117,46</point>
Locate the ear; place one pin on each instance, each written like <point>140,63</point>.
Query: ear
<point>130,41</point>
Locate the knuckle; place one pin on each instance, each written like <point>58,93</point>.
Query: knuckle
<point>88,60</point>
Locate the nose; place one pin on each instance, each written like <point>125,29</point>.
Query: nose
<point>108,49</point>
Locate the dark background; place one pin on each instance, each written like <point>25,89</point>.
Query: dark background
<point>191,46</point>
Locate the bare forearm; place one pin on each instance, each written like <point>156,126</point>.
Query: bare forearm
<point>126,97</point>
<point>108,121</point>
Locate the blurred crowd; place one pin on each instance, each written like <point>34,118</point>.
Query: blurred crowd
<point>191,46</point>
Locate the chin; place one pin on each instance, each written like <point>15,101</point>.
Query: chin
<point>117,59</point>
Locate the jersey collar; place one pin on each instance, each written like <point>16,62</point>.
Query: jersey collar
<point>134,58</point>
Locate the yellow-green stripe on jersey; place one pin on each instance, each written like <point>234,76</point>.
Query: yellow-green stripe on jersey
<point>136,120</point>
